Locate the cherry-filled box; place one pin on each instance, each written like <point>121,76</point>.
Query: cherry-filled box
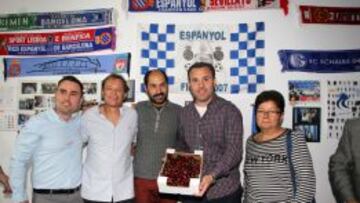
<point>180,172</point>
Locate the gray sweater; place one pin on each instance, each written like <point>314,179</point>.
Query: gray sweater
<point>157,130</point>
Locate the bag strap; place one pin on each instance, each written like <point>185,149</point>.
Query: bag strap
<point>291,166</point>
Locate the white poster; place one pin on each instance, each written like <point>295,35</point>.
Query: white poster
<point>236,51</point>
<point>343,102</point>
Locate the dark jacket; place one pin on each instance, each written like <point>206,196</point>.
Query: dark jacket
<point>344,165</point>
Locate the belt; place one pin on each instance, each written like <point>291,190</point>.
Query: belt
<point>56,191</point>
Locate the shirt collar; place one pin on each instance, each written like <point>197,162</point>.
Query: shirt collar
<point>121,109</point>
<point>56,116</point>
<point>148,103</point>
<point>212,104</point>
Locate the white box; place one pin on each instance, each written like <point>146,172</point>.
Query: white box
<point>194,182</point>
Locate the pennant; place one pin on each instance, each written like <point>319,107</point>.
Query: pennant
<point>166,6</point>
<point>334,61</point>
<point>236,51</point>
<point>248,4</point>
<point>330,15</point>
<point>23,67</point>
<point>56,20</point>
<point>54,43</point>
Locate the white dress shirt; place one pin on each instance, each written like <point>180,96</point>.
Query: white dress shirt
<point>53,148</point>
<point>108,168</point>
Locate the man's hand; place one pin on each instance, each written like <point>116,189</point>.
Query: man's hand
<point>4,179</point>
<point>133,149</point>
<point>206,182</point>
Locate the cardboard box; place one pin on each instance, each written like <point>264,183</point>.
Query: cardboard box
<point>194,183</point>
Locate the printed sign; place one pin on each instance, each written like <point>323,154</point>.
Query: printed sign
<point>335,61</point>
<point>74,41</point>
<point>166,6</point>
<point>343,102</point>
<point>21,67</point>
<point>56,20</point>
<point>236,51</point>
<point>330,15</point>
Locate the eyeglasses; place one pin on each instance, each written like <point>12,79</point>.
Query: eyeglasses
<point>267,113</point>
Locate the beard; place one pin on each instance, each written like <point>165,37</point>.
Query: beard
<point>158,99</point>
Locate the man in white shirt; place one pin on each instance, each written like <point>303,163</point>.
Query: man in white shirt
<point>109,130</point>
<point>50,142</point>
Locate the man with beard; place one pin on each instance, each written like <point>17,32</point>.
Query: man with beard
<point>51,143</point>
<point>157,130</point>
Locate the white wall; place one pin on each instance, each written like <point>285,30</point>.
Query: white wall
<point>282,32</point>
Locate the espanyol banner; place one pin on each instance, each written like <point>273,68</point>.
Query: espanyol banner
<point>22,67</point>
<point>246,4</point>
<point>330,15</point>
<point>334,61</point>
<point>235,50</point>
<point>56,20</point>
<point>166,5</point>
<point>54,43</point>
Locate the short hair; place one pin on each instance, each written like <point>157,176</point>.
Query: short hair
<point>270,95</point>
<point>147,75</point>
<point>116,77</point>
<point>202,65</point>
<point>74,80</point>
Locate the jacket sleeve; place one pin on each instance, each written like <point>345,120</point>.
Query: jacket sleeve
<point>340,166</point>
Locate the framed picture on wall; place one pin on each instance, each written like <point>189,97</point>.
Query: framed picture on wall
<point>308,119</point>
<point>307,91</point>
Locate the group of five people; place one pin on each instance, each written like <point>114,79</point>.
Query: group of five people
<point>125,146</point>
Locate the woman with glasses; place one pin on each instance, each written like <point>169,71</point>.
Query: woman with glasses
<point>278,166</point>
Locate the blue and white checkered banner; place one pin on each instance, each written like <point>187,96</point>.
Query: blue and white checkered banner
<point>21,67</point>
<point>236,51</point>
<point>331,61</point>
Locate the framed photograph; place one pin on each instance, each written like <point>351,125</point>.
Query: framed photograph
<point>48,88</point>
<point>131,93</point>
<point>22,118</point>
<point>90,88</point>
<point>308,119</point>
<point>40,102</point>
<point>29,88</point>
<point>304,91</point>
<point>26,104</point>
